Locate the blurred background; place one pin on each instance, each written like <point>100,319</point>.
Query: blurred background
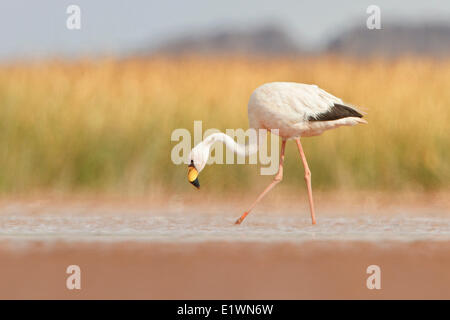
<point>92,110</point>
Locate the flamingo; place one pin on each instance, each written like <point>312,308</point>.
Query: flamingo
<point>296,110</point>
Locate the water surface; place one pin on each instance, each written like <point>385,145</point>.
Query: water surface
<point>154,225</point>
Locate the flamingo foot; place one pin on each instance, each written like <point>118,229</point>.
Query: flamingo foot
<point>238,221</point>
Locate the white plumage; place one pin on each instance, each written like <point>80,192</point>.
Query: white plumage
<point>286,106</point>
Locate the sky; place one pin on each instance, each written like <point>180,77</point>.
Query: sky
<point>36,29</point>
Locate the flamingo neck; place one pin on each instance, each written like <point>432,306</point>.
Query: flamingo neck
<point>239,149</point>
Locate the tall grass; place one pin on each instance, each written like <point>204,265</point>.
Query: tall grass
<point>106,125</point>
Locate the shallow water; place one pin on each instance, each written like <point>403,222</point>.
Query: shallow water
<point>159,226</point>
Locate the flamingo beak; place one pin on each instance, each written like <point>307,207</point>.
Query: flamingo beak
<point>193,176</point>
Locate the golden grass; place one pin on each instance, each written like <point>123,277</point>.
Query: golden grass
<point>106,125</point>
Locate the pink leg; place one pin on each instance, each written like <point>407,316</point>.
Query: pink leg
<point>308,180</point>
<point>276,180</point>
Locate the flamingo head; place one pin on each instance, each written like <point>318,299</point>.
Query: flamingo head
<point>197,161</point>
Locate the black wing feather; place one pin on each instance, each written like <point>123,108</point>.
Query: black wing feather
<point>337,111</point>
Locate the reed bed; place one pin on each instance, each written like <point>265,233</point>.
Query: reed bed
<point>105,125</point>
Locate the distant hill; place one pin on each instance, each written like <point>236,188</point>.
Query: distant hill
<point>391,41</point>
<point>394,40</point>
<point>268,40</point>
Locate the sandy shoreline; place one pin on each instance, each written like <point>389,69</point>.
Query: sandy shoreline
<point>225,270</point>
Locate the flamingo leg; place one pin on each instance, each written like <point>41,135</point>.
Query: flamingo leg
<point>307,179</point>
<point>276,180</point>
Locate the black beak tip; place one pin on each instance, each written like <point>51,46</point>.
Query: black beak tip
<point>196,184</point>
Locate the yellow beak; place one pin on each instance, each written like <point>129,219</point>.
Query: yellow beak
<point>193,176</point>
